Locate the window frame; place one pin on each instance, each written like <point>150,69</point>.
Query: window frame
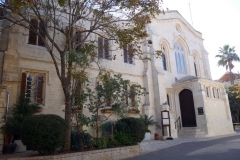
<point>32,86</point>
<point>33,35</point>
<point>103,48</point>
<point>126,54</point>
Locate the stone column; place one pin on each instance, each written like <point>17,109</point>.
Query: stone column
<point>3,102</point>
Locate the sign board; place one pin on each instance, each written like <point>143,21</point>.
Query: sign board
<point>200,111</point>
<point>166,121</point>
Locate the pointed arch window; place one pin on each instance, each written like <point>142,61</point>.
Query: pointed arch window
<point>164,62</point>
<point>164,58</point>
<point>195,68</point>
<point>180,59</point>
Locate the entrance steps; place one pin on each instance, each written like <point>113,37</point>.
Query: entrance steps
<point>191,132</point>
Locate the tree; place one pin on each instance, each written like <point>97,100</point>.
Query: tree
<point>113,93</point>
<point>227,56</point>
<point>78,21</point>
<point>234,101</point>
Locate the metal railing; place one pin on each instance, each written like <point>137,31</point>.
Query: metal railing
<point>178,124</point>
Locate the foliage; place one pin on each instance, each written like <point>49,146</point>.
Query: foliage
<point>113,93</point>
<point>18,113</point>
<point>80,140</point>
<point>234,101</point>
<point>227,56</point>
<point>101,142</point>
<point>112,142</point>
<point>124,138</point>
<point>44,133</point>
<point>122,22</point>
<point>148,122</point>
<point>134,127</point>
<point>107,128</point>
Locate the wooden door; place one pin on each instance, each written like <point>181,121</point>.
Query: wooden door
<point>187,108</point>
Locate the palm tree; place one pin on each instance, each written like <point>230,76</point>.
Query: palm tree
<point>227,56</point>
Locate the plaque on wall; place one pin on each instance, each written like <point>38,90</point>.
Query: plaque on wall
<point>200,111</point>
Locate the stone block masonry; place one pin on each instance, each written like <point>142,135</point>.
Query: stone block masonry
<point>102,154</point>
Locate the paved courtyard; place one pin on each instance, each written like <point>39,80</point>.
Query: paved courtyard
<point>221,148</point>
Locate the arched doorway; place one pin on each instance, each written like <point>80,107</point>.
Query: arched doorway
<point>187,108</point>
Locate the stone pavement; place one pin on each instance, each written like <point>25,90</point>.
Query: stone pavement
<point>154,145</point>
<point>211,148</point>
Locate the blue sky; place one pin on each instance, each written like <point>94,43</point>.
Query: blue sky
<point>219,23</point>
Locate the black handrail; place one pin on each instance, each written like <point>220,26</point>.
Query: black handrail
<point>178,124</point>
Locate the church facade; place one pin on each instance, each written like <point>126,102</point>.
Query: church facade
<point>179,82</point>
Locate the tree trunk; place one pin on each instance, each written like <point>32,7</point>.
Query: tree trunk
<point>68,121</point>
<point>230,76</point>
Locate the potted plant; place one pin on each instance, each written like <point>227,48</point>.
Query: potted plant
<point>156,136</point>
<point>133,111</point>
<point>18,113</point>
<point>8,145</point>
<point>148,122</point>
<point>77,109</point>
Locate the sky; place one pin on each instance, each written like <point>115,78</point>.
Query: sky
<point>219,23</point>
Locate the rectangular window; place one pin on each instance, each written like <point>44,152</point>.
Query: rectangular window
<point>36,33</point>
<point>213,90</point>
<point>103,48</point>
<point>217,93</point>
<point>128,54</point>
<point>207,92</point>
<point>32,86</point>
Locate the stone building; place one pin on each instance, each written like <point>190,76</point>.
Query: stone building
<point>180,81</point>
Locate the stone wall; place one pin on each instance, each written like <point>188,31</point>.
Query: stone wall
<point>3,95</point>
<point>103,154</point>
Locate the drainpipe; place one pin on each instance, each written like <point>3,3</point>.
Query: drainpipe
<point>8,95</point>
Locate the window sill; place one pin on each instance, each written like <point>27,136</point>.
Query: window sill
<point>36,47</point>
<point>129,63</point>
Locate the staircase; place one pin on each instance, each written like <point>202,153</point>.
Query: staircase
<point>191,132</point>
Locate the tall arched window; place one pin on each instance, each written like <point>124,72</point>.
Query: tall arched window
<point>164,61</point>
<point>195,68</point>
<point>180,59</point>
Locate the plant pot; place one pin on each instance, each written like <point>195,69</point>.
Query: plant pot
<point>8,139</point>
<point>156,136</point>
<point>147,136</point>
<point>20,147</point>
<point>133,111</point>
<point>78,111</point>
<point>106,111</point>
<point>9,148</point>
<point>163,138</point>
<point>40,109</point>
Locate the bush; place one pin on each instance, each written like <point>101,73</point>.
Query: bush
<point>101,142</point>
<point>112,142</point>
<point>80,140</point>
<point>44,133</point>
<point>134,127</point>
<point>123,138</point>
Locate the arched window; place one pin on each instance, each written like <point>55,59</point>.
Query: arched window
<point>195,68</point>
<point>180,59</point>
<point>164,58</point>
<point>164,62</point>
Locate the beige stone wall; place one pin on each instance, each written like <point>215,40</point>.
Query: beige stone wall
<point>164,30</point>
<point>103,154</point>
<point>3,101</point>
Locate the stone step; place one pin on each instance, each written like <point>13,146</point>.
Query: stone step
<point>191,132</point>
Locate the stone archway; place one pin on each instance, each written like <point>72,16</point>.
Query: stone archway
<point>187,108</point>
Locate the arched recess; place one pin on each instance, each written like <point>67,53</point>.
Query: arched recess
<point>197,71</point>
<point>187,108</point>
<point>164,45</point>
<point>183,66</point>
